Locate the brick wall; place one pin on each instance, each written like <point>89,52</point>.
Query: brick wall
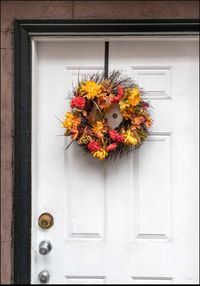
<point>11,10</point>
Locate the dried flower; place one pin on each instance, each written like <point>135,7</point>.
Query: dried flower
<point>107,86</point>
<point>145,105</point>
<point>84,139</point>
<point>104,101</point>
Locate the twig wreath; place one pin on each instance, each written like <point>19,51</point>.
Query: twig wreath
<point>108,116</point>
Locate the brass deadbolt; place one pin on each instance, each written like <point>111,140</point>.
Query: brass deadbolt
<point>45,220</point>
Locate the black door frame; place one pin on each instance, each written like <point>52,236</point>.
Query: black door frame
<point>24,30</point>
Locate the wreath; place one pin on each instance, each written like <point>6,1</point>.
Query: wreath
<point>108,116</point>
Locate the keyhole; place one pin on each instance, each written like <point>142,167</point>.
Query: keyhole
<point>114,115</point>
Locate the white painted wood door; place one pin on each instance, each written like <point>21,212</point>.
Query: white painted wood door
<point>132,221</point>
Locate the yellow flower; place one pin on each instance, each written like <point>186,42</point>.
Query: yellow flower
<point>100,154</point>
<point>100,128</point>
<point>70,121</point>
<point>123,104</point>
<point>67,123</point>
<point>69,115</point>
<point>130,138</point>
<point>90,89</point>
<point>133,96</point>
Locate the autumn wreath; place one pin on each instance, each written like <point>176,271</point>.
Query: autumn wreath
<point>108,117</point>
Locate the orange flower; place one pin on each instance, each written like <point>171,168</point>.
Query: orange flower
<point>148,123</point>
<point>104,101</point>
<point>127,114</point>
<point>99,128</point>
<point>138,120</point>
<point>74,133</point>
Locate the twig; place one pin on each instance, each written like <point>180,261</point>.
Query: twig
<point>98,108</point>
<point>69,144</point>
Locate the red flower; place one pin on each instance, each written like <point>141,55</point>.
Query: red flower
<point>93,146</point>
<point>78,102</point>
<point>120,92</point>
<point>111,147</point>
<point>115,136</point>
<point>112,134</point>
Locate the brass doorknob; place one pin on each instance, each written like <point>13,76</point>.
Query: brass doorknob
<point>45,220</point>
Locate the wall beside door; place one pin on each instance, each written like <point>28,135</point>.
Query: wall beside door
<point>11,10</point>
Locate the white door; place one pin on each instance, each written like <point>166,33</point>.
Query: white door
<point>131,221</point>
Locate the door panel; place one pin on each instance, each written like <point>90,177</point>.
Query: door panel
<point>154,181</point>
<point>130,221</point>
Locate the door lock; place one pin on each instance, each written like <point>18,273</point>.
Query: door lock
<point>43,276</point>
<point>45,220</point>
<point>45,247</point>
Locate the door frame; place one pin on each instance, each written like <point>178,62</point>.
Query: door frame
<point>23,32</point>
